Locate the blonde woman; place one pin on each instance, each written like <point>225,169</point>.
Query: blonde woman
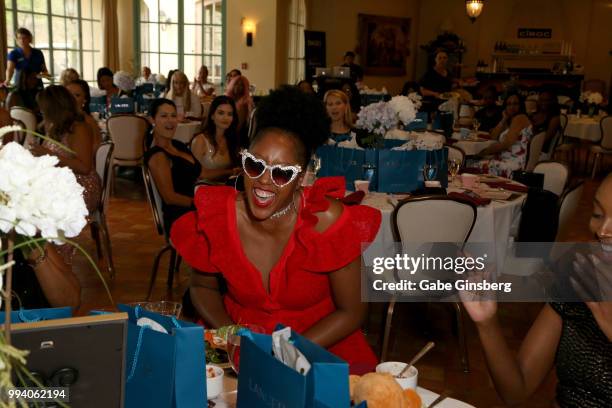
<point>339,110</point>
<point>69,75</point>
<point>187,103</point>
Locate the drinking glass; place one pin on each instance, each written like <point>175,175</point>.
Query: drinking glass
<point>430,171</point>
<point>476,125</point>
<point>453,168</point>
<point>165,308</point>
<point>233,345</point>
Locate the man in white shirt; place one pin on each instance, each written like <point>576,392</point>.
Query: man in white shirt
<point>200,86</point>
<point>147,77</point>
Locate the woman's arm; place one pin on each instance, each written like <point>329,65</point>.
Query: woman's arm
<point>427,92</point>
<point>207,300</point>
<point>10,70</point>
<point>95,130</point>
<point>516,377</point>
<point>350,311</point>
<point>162,175</point>
<point>518,123</point>
<point>59,284</point>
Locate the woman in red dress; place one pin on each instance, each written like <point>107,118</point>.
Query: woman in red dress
<point>288,254</point>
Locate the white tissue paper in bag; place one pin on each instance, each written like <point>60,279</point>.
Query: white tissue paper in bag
<point>287,353</point>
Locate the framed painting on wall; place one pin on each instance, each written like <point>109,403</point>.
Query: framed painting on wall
<point>384,44</point>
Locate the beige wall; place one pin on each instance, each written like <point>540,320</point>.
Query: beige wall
<point>261,57</point>
<point>586,23</point>
<point>338,18</point>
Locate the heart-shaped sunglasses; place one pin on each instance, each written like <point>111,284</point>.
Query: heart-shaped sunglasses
<point>255,168</point>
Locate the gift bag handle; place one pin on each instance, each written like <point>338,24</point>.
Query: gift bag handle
<point>139,342</point>
<point>25,319</point>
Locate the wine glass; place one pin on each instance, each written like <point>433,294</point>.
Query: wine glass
<point>476,124</point>
<point>430,171</point>
<point>453,168</point>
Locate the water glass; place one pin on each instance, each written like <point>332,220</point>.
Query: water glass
<point>430,172</point>
<point>165,308</point>
<point>453,168</point>
<point>476,125</point>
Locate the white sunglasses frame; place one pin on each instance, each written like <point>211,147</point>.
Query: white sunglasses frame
<point>297,169</point>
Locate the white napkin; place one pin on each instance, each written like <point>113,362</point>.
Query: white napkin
<point>287,353</point>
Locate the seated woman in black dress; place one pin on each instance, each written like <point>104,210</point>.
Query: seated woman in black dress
<point>438,79</point>
<point>43,278</point>
<point>574,337</point>
<point>547,118</point>
<point>490,114</point>
<point>174,168</point>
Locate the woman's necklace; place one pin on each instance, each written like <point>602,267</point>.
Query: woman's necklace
<point>282,212</point>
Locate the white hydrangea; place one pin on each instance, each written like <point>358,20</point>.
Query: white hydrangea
<point>36,196</point>
<point>404,108</point>
<point>592,98</point>
<point>377,118</point>
<point>124,81</point>
<point>416,99</point>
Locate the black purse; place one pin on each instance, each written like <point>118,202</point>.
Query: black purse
<point>531,180</point>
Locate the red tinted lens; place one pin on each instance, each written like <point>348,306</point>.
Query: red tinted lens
<point>252,167</point>
<point>282,177</point>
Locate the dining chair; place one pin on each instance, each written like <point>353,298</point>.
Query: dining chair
<point>97,223</point>
<point>128,133</point>
<point>534,149</point>
<point>28,118</point>
<point>456,153</point>
<point>426,219</point>
<point>556,175</point>
<point>604,147</point>
<point>567,207</point>
<point>19,137</point>
<point>155,202</point>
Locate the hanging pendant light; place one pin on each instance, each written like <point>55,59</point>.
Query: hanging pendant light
<point>473,8</point>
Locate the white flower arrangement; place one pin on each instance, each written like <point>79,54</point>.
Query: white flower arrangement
<point>124,81</point>
<point>36,196</point>
<point>377,118</point>
<point>416,99</point>
<point>422,141</point>
<point>591,98</point>
<point>404,108</point>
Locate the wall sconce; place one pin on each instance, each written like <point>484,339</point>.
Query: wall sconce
<point>473,8</point>
<point>248,26</point>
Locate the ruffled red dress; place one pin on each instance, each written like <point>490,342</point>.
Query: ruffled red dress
<point>299,291</point>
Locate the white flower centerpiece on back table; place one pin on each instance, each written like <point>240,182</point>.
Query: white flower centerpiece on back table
<point>39,201</point>
<point>591,100</point>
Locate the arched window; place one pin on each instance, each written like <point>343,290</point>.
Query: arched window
<point>297,24</point>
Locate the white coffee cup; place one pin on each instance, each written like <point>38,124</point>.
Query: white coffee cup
<point>408,380</point>
<point>214,385</point>
<point>362,185</point>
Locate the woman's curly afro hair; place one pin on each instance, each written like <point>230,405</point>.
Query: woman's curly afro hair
<point>300,115</point>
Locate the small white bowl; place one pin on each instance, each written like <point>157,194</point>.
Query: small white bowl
<point>410,377</point>
<point>214,385</point>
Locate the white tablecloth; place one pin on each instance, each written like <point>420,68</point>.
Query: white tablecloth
<point>494,222</point>
<point>471,147</point>
<point>584,128</point>
<point>186,131</point>
<point>227,399</point>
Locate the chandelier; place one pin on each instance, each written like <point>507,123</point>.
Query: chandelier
<point>473,8</point>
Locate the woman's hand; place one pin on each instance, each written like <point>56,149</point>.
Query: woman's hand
<point>480,306</point>
<point>592,280</point>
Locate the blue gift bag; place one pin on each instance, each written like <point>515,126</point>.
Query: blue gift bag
<point>122,105</point>
<point>36,315</point>
<point>339,161</point>
<point>325,385</point>
<point>401,171</point>
<point>164,370</point>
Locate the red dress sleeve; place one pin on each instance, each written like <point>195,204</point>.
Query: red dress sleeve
<point>189,235</point>
<point>343,241</point>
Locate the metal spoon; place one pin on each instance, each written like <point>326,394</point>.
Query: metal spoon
<point>416,358</point>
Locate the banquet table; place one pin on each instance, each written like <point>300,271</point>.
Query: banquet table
<point>186,130</point>
<point>584,128</point>
<point>471,147</point>
<point>227,399</point>
<point>495,222</point>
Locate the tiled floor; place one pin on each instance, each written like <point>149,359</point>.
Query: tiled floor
<point>135,243</point>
